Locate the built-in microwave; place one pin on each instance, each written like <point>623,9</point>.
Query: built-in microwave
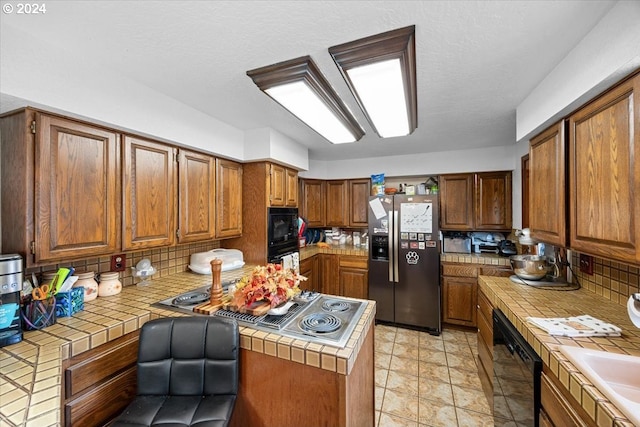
<point>282,232</point>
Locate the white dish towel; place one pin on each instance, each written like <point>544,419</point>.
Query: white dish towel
<point>579,326</point>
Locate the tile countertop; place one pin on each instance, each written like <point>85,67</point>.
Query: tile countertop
<point>311,250</point>
<point>521,301</point>
<point>30,371</point>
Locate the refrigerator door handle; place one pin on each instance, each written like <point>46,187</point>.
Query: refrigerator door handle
<point>390,247</point>
<point>396,243</point>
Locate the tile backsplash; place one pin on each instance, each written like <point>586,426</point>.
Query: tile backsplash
<point>613,280</point>
<point>167,261</point>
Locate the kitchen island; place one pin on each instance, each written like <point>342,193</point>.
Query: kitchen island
<point>520,301</point>
<point>283,381</point>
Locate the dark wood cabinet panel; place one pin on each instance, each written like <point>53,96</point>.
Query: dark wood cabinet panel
<point>291,184</point>
<point>493,201</point>
<point>547,194</point>
<point>283,186</point>
<point>229,201</point>
<point>312,203</point>
<point>197,197</point>
<point>150,194</point>
<point>353,276</point>
<point>359,191</point>
<point>456,202</point>
<point>328,266</point>
<point>309,269</point>
<point>604,148</point>
<point>77,189</point>
<point>61,188</point>
<point>337,213</point>
<point>459,296</point>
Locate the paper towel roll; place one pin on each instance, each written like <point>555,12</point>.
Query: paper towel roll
<point>633,307</point>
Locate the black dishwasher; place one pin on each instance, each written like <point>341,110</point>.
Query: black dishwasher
<point>516,375</point>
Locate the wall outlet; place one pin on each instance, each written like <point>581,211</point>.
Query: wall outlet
<point>586,264</point>
<point>118,262</point>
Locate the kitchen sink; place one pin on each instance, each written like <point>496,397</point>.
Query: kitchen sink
<point>615,375</point>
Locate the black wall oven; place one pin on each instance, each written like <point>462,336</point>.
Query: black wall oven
<point>282,232</point>
<point>516,376</point>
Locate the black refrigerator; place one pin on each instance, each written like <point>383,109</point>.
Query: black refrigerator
<point>404,260</point>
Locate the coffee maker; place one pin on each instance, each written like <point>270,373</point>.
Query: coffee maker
<point>10,289</point>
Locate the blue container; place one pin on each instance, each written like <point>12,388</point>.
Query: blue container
<point>69,303</point>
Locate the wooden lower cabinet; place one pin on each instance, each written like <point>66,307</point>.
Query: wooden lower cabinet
<point>353,277</point>
<point>485,345</point>
<point>459,294</point>
<point>283,393</point>
<point>309,269</point>
<point>100,383</point>
<point>328,265</point>
<point>558,410</point>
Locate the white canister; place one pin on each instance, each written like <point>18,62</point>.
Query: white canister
<point>88,282</point>
<point>109,284</point>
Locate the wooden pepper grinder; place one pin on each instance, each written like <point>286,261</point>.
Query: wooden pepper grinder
<point>216,285</point>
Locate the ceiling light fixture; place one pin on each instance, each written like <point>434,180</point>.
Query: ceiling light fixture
<point>380,71</point>
<point>299,87</point>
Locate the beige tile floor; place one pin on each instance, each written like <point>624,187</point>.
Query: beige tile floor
<point>424,380</point>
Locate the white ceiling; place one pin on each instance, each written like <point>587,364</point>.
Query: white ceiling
<point>476,60</point>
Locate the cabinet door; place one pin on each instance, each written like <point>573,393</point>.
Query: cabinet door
<point>459,300</point>
<point>309,269</point>
<point>197,197</point>
<point>278,182</point>
<point>354,282</point>
<point>337,214</point>
<point>77,191</point>
<point>359,191</point>
<point>228,199</point>
<point>328,267</point>
<point>456,202</point>
<point>493,201</point>
<point>604,153</point>
<point>150,182</point>
<point>291,188</point>
<point>547,196</point>
<point>313,202</point>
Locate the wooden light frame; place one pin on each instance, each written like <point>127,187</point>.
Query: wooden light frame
<point>395,44</point>
<point>304,69</point>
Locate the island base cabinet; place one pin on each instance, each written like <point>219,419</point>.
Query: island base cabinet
<point>557,410</point>
<point>275,391</point>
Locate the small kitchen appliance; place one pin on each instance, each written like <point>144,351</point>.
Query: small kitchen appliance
<point>11,278</point>
<point>483,242</point>
<point>455,242</point>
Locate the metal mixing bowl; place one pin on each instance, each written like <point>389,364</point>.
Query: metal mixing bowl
<point>530,267</point>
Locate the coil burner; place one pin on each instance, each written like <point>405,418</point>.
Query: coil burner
<point>334,305</point>
<point>191,298</point>
<point>320,323</point>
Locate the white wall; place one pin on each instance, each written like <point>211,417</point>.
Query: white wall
<point>608,53</point>
<point>48,76</point>
<point>268,144</point>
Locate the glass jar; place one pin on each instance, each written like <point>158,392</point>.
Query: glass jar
<point>88,282</point>
<point>109,284</point>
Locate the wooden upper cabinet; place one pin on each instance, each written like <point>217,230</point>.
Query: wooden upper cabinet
<point>337,214</point>
<point>456,202</point>
<point>77,191</point>
<point>359,191</point>
<point>150,194</point>
<point>604,154</point>
<point>493,201</point>
<point>228,199</point>
<point>197,196</point>
<point>312,202</point>
<point>547,178</point>
<point>283,186</point>
<point>291,199</point>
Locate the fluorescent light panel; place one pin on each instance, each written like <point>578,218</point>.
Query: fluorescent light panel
<point>299,87</point>
<point>380,71</point>
<point>303,103</point>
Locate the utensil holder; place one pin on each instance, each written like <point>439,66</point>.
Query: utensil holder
<point>38,314</point>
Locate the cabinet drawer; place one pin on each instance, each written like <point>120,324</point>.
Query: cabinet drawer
<point>102,403</point>
<point>485,308</point>
<point>98,364</point>
<point>485,335</point>
<point>459,270</point>
<point>354,262</point>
